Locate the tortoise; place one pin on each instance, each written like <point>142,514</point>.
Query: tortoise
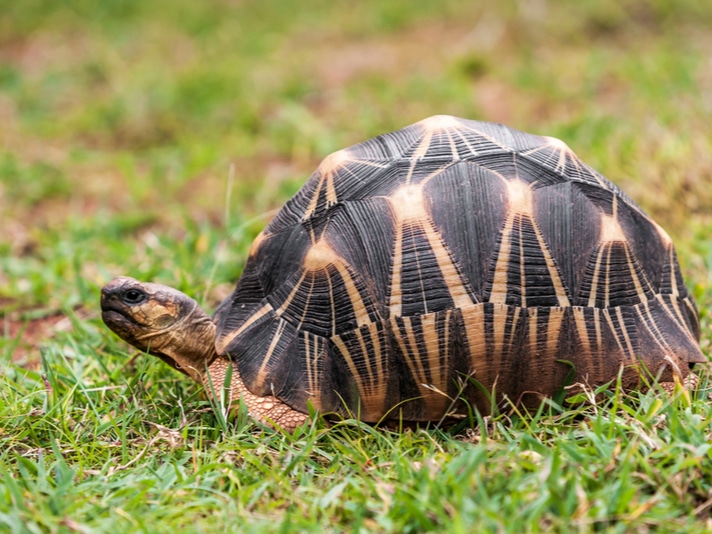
<point>449,266</point>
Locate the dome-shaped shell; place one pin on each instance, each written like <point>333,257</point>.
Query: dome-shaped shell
<point>449,258</point>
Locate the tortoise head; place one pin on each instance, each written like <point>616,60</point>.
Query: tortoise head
<point>162,321</point>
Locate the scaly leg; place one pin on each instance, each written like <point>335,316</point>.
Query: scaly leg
<point>268,410</point>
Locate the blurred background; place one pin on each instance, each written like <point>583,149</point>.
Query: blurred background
<point>156,138</point>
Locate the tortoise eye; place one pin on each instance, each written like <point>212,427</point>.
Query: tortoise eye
<point>133,297</point>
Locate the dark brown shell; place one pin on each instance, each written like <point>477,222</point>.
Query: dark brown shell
<point>417,266</point>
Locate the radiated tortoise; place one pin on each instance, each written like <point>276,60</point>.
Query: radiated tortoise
<point>428,271</point>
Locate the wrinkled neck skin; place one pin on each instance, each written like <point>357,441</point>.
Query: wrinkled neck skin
<point>188,346</point>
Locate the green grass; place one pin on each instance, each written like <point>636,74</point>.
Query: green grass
<point>156,139</point>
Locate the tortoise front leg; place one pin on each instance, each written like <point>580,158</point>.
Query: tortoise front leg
<point>268,410</point>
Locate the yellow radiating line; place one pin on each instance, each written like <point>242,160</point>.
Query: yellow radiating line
<point>659,338</point>
<point>413,363</point>
<point>377,355</point>
<point>673,274</point>
<point>597,323</point>
<point>313,202</point>
<point>414,360</point>
<point>576,162</point>
<point>311,364</point>
<point>690,334</point>
<point>419,153</point>
<point>424,297</point>
<point>582,328</point>
<point>561,160</point>
<point>396,298</point>
<point>338,263</point>
<point>292,294</point>
<point>676,315</point>
<point>357,302</point>
<point>438,364</point>
<point>594,284</point>
<point>556,317</point>
<point>532,317</point>
<point>607,286</point>
<point>366,356</point>
<point>488,137</point>
<point>316,387</point>
<point>453,147</point>
<point>313,370</point>
<point>499,283</point>
<point>626,335</point>
<point>671,312</point>
<point>513,331</point>
<point>689,306</point>
<point>262,372</point>
<point>257,242</point>
<point>352,366</point>
<point>580,166</point>
<point>535,149</point>
<point>636,282</point>
<point>499,327</point>
<point>413,211</point>
<point>367,162</point>
<point>613,329</point>
<point>310,371</point>
<point>431,339</point>
<point>327,171</point>
<point>598,179</point>
<point>313,375</point>
<point>435,173</point>
<point>541,148</point>
<point>371,403</point>
<point>473,319</point>
<point>466,141</point>
<point>306,304</point>
<point>558,153</point>
<point>330,190</point>
<point>226,340</point>
<point>561,163</point>
<point>676,312</point>
<point>446,344</point>
<point>551,267</point>
<point>434,400</point>
<point>451,276</point>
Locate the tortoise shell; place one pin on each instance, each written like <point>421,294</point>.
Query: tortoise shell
<point>455,259</point>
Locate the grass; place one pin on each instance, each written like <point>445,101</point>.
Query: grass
<point>156,139</point>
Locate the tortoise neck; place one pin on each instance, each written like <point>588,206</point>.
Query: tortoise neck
<point>188,346</point>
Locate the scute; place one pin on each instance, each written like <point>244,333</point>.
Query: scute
<point>450,258</point>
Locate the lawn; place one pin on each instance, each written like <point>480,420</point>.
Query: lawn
<point>156,139</point>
